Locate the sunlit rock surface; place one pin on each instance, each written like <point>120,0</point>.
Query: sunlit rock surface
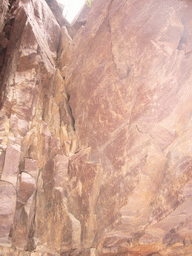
<point>95,129</point>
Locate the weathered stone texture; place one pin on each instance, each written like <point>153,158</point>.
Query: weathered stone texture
<point>95,129</point>
<point>129,83</point>
<point>7,211</point>
<point>3,12</point>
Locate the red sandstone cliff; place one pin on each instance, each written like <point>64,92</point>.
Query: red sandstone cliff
<point>96,130</point>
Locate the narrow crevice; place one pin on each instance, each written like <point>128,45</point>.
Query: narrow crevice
<point>70,112</point>
<point>58,48</point>
<point>11,39</point>
<point>31,243</point>
<point>4,40</point>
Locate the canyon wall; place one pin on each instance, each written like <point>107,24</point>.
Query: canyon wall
<point>96,129</point>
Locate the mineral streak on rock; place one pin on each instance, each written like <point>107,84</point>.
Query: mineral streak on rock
<point>95,129</point>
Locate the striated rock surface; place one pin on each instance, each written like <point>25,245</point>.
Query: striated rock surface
<point>95,130</point>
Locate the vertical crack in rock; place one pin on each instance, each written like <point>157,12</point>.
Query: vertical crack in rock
<point>70,113</point>
<point>31,246</point>
<point>7,42</point>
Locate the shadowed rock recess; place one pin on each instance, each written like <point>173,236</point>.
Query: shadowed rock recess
<point>96,129</point>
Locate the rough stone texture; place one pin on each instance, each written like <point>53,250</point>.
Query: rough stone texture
<point>3,12</point>
<point>11,164</point>
<point>95,129</point>
<point>7,210</point>
<point>129,83</point>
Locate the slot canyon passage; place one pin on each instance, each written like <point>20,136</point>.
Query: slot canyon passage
<point>96,129</point>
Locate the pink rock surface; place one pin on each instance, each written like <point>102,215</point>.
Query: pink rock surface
<point>7,210</point>
<point>130,97</point>
<point>11,164</point>
<point>95,130</point>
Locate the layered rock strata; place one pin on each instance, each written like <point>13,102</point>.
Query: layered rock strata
<point>95,130</point>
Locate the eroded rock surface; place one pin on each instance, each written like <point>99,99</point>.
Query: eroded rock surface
<point>95,130</point>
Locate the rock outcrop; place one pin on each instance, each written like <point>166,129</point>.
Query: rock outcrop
<point>95,129</point>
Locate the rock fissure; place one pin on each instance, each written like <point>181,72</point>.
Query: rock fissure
<point>30,245</point>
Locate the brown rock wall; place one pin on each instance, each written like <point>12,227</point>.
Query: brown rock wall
<point>133,90</point>
<point>95,130</point>
<point>3,12</point>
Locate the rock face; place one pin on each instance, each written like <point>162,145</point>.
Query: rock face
<point>96,130</point>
